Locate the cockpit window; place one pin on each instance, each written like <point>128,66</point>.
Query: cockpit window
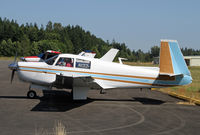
<point>80,63</point>
<point>41,55</point>
<point>66,62</point>
<point>49,55</point>
<point>51,60</point>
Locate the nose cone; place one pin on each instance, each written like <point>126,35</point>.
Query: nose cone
<point>22,58</point>
<point>13,66</point>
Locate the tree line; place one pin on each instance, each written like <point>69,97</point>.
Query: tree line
<point>29,39</point>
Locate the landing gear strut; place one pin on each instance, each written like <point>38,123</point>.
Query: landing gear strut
<point>102,91</point>
<point>31,94</point>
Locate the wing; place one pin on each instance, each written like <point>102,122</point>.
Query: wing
<point>69,81</point>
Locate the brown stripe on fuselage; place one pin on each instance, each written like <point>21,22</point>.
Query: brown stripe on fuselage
<point>160,77</point>
<point>134,82</point>
<point>124,81</point>
<point>165,59</point>
<point>38,71</point>
<point>66,70</point>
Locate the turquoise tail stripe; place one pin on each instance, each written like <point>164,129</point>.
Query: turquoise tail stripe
<point>178,61</point>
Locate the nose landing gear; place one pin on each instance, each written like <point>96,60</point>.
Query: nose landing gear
<point>31,94</point>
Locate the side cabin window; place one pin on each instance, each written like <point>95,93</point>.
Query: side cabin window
<point>65,62</point>
<point>80,63</point>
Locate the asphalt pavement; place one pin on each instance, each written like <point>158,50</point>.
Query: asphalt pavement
<point>117,112</point>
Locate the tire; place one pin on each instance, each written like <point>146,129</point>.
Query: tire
<point>31,94</point>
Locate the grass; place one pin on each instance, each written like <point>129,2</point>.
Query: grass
<point>9,58</point>
<point>192,90</point>
<point>59,129</point>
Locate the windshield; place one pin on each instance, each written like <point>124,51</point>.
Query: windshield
<point>51,60</point>
<point>41,55</point>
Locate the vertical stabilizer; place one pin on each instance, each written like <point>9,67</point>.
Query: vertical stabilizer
<point>110,55</point>
<point>171,59</point>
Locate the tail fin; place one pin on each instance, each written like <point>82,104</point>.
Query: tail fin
<point>110,55</point>
<point>171,59</point>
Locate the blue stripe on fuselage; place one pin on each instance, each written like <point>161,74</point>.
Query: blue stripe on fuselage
<point>149,81</point>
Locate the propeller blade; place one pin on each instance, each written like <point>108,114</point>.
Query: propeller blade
<point>13,66</point>
<point>12,75</point>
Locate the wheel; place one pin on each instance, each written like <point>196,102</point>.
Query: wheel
<point>31,94</point>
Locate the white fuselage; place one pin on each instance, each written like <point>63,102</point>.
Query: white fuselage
<point>107,74</point>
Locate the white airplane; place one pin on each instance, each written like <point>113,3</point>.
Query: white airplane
<point>81,73</point>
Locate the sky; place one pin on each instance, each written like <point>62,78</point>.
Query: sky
<point>140,24</point>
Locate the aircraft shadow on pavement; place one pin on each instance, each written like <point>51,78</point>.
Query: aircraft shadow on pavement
<point>57,101</point>
<point>143,100</point>
<point>61,101</point>
<point>148,101</point>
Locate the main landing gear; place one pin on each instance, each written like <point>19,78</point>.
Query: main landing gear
<point>31,94</point>
<point>102,91</point>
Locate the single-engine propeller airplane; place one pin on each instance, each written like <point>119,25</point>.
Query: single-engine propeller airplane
<point>81,73</point>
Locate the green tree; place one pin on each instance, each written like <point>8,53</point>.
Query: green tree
<point>44,45</point>
<point>155,50</point>
<point>25,46</point>
<point>49,26</point>
<point>3,48</point>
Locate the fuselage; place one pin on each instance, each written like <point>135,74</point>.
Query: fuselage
<point>108,74</point>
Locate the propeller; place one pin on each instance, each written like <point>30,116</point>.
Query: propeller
<point>13,66</point>
<point>12,76</point>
